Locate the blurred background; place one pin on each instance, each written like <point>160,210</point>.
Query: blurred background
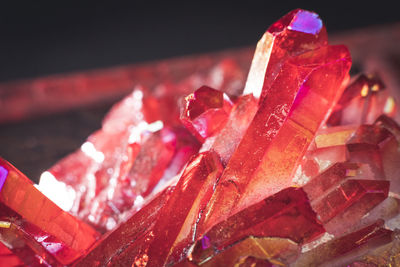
<point>40,39</point>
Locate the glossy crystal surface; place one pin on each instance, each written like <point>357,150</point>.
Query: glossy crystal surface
<point>298,167</point>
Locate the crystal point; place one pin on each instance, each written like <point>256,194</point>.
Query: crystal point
<point>175,230</point>
<point>366,194</point>
<point>205,112</point>
<point>297,32</point>
<point>282,129</point>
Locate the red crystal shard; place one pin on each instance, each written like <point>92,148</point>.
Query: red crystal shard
<point>390,152</point>
<point>205,112</point>
<point>175,229</point>
<point>280,251</point>
<point>7,258</point>
<point>186,147</point>
<point>365,147</point>
<point>251,261</point>
<point>389,124</point>
<point>386,255</point>
<point>226,141</point>
<point>327,148</point>
<point>128,234</point>
<point>42,229</point>
<point>369,237</point>
<point>369,135</point>
<point>334,136</point>
<point>89,170</point>
<point>366,194</point>
<point>153,158</point>
<point>386,210</point>
<point>120,164</point>
<point>295,33</point>
<point>362,102</point>
<point>287,214</point>
<point>326,180</point>
<point>31,244</point>
<point>281,131</point>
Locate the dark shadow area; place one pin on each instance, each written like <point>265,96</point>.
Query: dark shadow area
<point>40,38</point>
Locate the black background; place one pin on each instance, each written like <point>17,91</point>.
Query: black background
<point>39,38</point>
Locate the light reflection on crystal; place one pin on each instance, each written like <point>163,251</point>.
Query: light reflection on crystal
<point>3,176</point>
<point>292,172</point>
<point>307,22</point>
<point>60,193</point>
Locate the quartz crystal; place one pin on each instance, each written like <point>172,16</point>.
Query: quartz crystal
<point>36,229</point>
<point>297,166</point>
<point>205,112</point>
<point>281,130</point>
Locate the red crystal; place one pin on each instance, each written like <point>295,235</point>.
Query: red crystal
<point>372,235</point>
<point>124,161</point>
<point>42,231</point>
<point>287,214</point>
<point>295,33</point>
<point>326,180</point>
<point>297,104</point>
<point>390,152</point>
<point>141,180</point>
<point>364,193</point>
<point>205,112</point>
<point>7,258</point>
<point>175,231</point>
<point>226,141</point>
<point>280,251</point>
<point>362,102</point>
<point>127,234</point>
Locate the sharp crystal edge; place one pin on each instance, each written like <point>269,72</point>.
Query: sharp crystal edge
<point>297,166</point>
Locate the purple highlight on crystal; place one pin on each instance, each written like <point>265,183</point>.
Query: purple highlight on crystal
<point>3,176</point>
<point>306,22</point>
<point>205,242</point>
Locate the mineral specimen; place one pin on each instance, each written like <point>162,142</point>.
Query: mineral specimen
<point>301,169</point>
<point>36,229</point>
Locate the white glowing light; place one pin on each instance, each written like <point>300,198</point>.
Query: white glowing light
<point>58,192</point>
<point>52,247</point>
<point>138,201</point>
<point>90,151</point>
<point>137,131</point>
<point>389,106</point>
<point>138,94</point>
<point>300,178</point>
<point>155,126</point>
<point>111,223</point>
<point>323,239</point>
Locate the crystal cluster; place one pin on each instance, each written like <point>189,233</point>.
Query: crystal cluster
<point>301,169</point>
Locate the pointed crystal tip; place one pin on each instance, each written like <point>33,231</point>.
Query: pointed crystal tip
<point>299,20</point>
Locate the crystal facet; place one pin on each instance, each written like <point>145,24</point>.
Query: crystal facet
<point>282,129</point>
<point>301,169</point>
<point>175,230</point>
<point>287,214</point>
<point>297,32</point>
<point>42,232</point>
<point>205,112</point>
